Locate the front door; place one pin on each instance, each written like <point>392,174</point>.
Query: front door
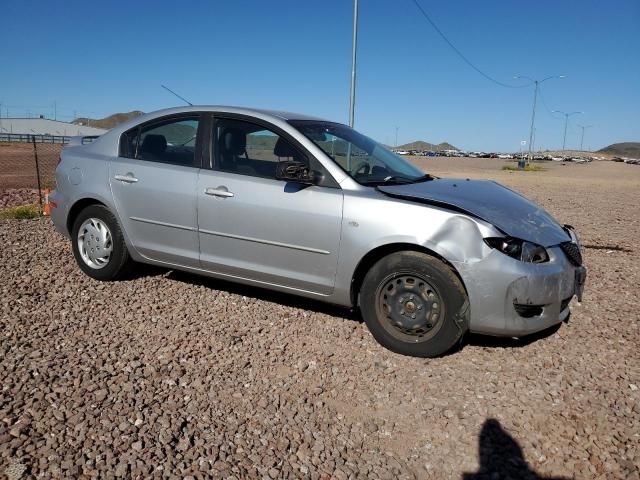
<point>256,227</point>
<point>154,186</point>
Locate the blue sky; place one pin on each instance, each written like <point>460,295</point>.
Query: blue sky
<point>100,58</point>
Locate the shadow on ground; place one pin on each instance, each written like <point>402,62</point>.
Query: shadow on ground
<point>509,342</point>
<point>258,293</point>
<point>316,306</point>
<point>501,457</point>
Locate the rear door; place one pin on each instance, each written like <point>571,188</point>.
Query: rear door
<point>256,227</point>
<point>154,186</point>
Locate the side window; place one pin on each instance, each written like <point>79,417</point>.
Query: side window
<point>129,143</point>
<point>250,149</point>
<point>171,141</point>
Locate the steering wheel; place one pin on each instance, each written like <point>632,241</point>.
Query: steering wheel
<point>364,166</point>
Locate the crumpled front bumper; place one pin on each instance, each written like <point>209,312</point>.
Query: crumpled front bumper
<point>500,286</point>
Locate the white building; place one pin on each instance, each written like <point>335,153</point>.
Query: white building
<point>44,126</point>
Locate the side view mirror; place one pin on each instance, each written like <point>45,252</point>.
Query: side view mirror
<point>294,171</point>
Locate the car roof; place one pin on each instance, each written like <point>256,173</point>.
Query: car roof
<point>232,109</point>
<point>283,114</point>
<point>272,115</point>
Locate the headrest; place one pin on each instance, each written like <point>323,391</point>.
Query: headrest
<point>234,141</point>
<point>154,144</point>
<point>284,149</point>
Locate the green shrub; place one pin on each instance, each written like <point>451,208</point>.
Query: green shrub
<point>527,168</point>
<point>22,212</point>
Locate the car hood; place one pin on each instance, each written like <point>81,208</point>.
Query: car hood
<point>509,211</point>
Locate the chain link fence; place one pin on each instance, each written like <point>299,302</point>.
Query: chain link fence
<point>27,168</point>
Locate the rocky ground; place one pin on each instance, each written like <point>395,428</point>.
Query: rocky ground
<point>14,197</point>
<point>175,376</point>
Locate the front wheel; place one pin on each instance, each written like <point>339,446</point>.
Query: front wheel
<point>98,244</point>
<point>414,304</point>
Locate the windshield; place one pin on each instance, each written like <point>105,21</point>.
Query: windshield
<point>365,160</point>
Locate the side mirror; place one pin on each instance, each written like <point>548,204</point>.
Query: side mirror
<point>293,171</point>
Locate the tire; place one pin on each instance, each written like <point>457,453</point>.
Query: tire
<point>414,304</point>
<point>96,229</point>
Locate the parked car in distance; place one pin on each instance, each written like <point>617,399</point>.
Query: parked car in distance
<point>311,207</point>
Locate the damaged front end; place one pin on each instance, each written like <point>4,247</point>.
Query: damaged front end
<point>525,280</point>
<point>511,297</point>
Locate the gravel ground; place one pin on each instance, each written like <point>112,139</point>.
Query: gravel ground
<point>173,375</point>
<point>14,197</point>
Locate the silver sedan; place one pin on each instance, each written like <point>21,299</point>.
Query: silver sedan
<point>312,207</point>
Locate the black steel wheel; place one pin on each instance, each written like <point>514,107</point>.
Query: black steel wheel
<point>414,304</point>
<point>410,307</point>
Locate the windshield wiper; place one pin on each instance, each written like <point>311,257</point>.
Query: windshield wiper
<point>399,179</point>
<point>394,179</point>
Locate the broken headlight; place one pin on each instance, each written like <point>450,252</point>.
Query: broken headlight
<point>519,249</point>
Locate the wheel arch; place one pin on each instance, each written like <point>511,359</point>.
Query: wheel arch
<point>366,262</point>
<point>77,207</point>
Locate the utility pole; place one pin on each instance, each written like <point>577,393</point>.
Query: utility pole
<point>55,111</point>
<point>535,99</point>
<point>533,119</point>
<point>566,122</point>
<point>352,100</point>
<point>533,139</point>
<point>583,127</point>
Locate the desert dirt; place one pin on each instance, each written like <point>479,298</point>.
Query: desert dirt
<point>176,376</point>
<point>18,167</point>
<point>18,179</point>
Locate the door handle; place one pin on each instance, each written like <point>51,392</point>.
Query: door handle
<point>128,178</point>
<point>218,192</point>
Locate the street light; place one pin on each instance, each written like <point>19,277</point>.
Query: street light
<point>535,99</point>
<point>583,127</point>
<point>566,121</point>
<point>352,97</point>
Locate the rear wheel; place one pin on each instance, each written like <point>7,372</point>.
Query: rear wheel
<point>98,244</point>
<point>414,304</point>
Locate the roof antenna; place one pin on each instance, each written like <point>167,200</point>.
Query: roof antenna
<point>181,98</point>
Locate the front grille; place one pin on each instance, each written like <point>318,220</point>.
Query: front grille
<point>572,251</point>
<point>528,311</point>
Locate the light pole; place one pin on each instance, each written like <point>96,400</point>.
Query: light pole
<point>583,127</point>
<point>535,99</point>
<point>533,139</point>
<point>566,122</point>
<point>396,137</point>
<point>352,100</point>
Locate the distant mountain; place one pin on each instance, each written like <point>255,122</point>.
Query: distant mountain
<point>108,122</point>
<point>625,149</point>
<point>421,145</point>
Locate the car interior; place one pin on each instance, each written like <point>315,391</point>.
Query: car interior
<point>154,147</point>
<point>248,149</point>
<point>172,142</point>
